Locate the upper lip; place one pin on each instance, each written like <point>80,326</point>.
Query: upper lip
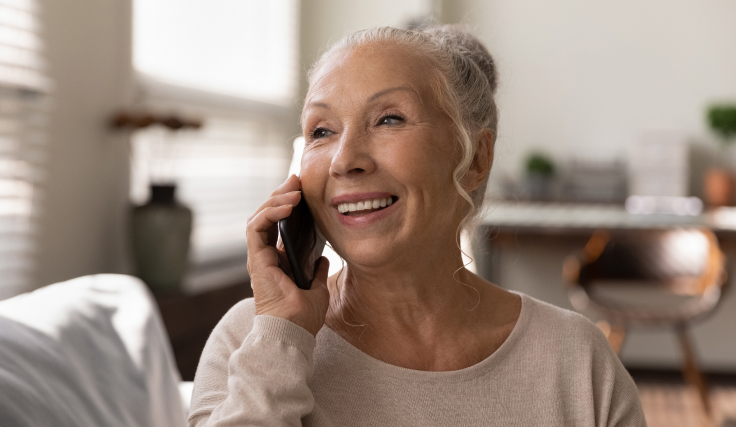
<point>359,197</point>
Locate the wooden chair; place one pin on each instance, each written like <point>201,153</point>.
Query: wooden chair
<point>677,276</point>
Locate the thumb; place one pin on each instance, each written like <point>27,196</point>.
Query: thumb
<point>321,271</point>
<point>319,283</point>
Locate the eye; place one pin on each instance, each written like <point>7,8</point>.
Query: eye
<point>319,133</point>
<point>391,120</point>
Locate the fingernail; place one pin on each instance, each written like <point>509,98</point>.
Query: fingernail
<point>294,192</point>
<point>289,206</point>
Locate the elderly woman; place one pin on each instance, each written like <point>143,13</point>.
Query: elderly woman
<point>399,128</point>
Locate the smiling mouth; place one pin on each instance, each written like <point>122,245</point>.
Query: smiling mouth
<point>366,206</point>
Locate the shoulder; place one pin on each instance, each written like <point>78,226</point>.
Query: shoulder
<point>574,348</point>
<point>568,342</point>
<point>560,325</point>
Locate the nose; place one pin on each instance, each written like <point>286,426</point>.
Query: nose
<point>353,156</point>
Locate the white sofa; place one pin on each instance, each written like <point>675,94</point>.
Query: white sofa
<point>88,352</point>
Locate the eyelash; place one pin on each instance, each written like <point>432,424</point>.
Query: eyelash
<point>390,116</point>
<point>314,133</point>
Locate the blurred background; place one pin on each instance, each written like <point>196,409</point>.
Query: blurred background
<point>616,115</point>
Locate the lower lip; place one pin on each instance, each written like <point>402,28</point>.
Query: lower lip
<point>364,220</point>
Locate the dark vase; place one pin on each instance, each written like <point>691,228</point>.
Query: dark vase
<point>161,231</point>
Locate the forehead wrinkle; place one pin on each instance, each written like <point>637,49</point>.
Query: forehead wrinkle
<point>322,82</point>
<point>383,92</point>
<point>372,98</point>
<point>317,104</point>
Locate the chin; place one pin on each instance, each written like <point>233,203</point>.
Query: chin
<point>368,254</point>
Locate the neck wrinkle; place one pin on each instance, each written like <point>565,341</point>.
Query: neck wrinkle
<point>418,305</point>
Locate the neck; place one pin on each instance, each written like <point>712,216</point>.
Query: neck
<point>415,307</point>
<point>404,297</point>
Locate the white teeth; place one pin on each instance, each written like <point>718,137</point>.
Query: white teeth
<point>364,205</point>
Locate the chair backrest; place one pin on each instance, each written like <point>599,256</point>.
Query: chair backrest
<point>686,261</point>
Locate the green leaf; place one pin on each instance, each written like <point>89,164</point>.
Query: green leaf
<point>722,120</point>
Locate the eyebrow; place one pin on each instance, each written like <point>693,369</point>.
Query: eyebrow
<point>389,90</point>
<point>318,104</point>
<point>372,98</point>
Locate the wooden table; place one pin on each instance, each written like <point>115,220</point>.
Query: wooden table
<point>190,318</point>
<point>506,220</point>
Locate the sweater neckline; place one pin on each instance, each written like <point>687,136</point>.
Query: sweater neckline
<point>338,343</point>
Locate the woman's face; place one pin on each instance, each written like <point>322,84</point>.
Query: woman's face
<point>379,157</point>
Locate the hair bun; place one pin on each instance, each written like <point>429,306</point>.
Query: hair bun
<point>459,37</point>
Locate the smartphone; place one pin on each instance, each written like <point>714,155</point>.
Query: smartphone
<point>303,244</point>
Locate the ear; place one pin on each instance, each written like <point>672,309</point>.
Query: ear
<point>482,162</point>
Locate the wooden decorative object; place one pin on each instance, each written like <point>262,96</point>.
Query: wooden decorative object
<point>719,187</point>
<point>190,318</point>
<point>139,120</point>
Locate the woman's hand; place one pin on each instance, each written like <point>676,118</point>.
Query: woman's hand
<point>274,292</point>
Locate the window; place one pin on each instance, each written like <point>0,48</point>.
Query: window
<point>23,99</point>
<point>234,64</point>
<point>244,48</point>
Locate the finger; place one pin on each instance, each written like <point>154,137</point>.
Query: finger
<point>290,198</point>
<point>292,183</point>
<point>256,233</point>
<point>273,235</point>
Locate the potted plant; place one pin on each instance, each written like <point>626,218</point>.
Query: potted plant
<point>719,181</point>
<point>540,171</point>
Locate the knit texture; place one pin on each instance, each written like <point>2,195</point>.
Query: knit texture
<point>555,369</point>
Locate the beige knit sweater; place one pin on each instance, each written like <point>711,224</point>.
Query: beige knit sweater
<point>555,369</point>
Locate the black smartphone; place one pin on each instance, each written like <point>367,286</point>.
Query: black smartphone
<point>303,244</point>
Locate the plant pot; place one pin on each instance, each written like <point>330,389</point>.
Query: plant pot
<point>719,187</point>
<point>161,232</point>
<point>539,186</point>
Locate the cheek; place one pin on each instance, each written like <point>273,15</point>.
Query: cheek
<point>315,166</point>
<point>314,174</point>
<point>422,164</point>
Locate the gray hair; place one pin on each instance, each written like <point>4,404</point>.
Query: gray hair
<point>465,86</point>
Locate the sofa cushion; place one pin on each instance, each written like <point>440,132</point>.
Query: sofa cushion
<point>87,352</point>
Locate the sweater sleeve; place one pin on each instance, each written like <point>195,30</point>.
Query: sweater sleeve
<point>256,380</point>
<point>616,396</point>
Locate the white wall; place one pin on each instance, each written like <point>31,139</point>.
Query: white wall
<point>584,78</point>
<point>326,21</point>
<point>85,199</point>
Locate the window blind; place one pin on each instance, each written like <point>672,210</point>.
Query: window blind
<point>23,100</point>
<point>234,64</point>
